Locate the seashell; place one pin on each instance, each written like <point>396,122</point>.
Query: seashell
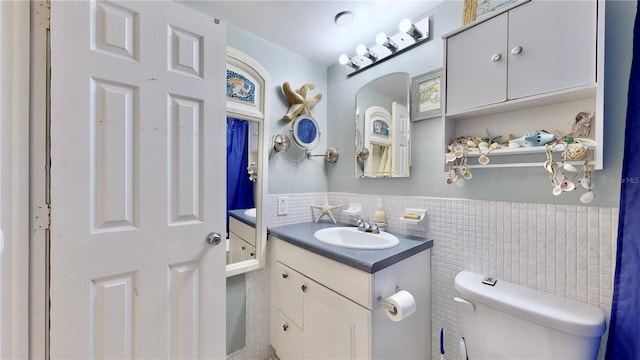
<point>493,146</point>
<point>460,182</point>
<point>587,197</point>
<point>483,144</point>
<point>467,175</point>
<point>577,151</point>
<point>557,190</point>
<point>570,167</point>
<point>450,157</point>
<point>513,145</point>
<point>586,183</point>
<point>458,148</point>
<point>567,185</point>
<point>449,180</point>
<point>449,147</point>
<point>551,166</point>
<point>459,154</point>
<point>558,147</point>
<point>471,143</point>
<point>483,159</point>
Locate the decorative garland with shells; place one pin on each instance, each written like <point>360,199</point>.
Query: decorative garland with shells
<point>456,158</point>
<point>572,149</point>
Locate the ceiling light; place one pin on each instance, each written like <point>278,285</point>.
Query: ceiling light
<point>344,19</point>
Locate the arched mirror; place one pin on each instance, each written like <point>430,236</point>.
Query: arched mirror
<point>383,132</point>
<point>247,111</point>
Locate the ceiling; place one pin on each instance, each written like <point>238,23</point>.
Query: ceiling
<point>307,27</point>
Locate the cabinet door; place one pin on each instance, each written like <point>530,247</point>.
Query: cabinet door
<point>334,326</point>
<point>288,292</point>
<point>477,65</point>
<point>286,337</point>
<point>558,41</point>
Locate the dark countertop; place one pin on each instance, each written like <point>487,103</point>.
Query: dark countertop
<point>239,215</point>
<point>369,261</point>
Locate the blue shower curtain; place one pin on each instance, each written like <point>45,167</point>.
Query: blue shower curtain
<point>239,187</point>
<point>624,328</point>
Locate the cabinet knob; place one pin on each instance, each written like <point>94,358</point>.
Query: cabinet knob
<point>496,57</point>
<point>285,327</point>
<point>284,276</point>
<point>304,288</point>
<point>516,50</point>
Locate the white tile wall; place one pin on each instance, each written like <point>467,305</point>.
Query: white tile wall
<point>560,249</point>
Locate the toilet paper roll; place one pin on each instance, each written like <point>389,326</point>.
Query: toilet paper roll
<point>404,303</point>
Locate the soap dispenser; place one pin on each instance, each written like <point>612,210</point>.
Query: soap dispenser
<point>379,216</point>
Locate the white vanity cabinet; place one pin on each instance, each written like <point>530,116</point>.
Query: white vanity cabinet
<point>242,241</point>
<point>324,309</point>
<point>532,67</point>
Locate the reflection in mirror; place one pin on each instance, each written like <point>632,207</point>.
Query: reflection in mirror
<point>383,135</point>
<point>242,175</point>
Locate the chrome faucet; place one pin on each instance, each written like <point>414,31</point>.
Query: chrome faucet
<point>365,226</point>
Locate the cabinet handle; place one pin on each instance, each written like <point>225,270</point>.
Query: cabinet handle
<point>243,248</point>
<point>285,327</point>
<point>252,254</point>
<point>284,276</point>
<point>304,288</point>
<point>516,50</point>
<point>496,57</point>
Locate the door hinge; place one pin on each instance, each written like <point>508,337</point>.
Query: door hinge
<point>42,217</point>
<point>43,14</point>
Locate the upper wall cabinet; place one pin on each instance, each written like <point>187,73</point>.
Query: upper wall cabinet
<point>535,55</point>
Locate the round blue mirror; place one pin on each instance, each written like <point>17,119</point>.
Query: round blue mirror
<point>305,132</point>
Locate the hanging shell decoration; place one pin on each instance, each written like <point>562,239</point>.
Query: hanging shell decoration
<point>456,157</point>
<point>298,99</point>
<point>560,173</point>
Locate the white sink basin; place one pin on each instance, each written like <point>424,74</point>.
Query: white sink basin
<point>351,237</point>
<point>250,212</point>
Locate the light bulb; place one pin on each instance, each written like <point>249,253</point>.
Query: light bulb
<point>405,25</point>
<point>361,50</point>
<point>381,38</point>
<point>343,59</point>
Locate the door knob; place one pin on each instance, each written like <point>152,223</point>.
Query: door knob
<point>213,238</point>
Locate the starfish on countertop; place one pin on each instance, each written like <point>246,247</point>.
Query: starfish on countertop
<point>325,209</point>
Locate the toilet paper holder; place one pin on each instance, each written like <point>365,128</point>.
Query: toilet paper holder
<point>387,305</point>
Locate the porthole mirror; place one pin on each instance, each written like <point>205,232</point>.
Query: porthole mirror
<point>383,132</point>
<point>305,132</point>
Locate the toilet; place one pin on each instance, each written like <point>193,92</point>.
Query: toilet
<point>509,321</point>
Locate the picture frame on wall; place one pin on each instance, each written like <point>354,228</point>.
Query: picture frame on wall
<point>426,95</point>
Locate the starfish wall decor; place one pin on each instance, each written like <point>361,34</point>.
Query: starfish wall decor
<point>298,99</point>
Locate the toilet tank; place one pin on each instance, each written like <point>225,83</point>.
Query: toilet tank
<point>509,321</point>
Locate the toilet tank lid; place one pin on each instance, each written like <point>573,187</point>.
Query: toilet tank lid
<point>546,309</point>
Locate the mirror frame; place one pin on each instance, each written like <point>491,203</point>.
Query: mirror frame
<point>258,113</point>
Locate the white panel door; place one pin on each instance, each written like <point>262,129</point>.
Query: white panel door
<point>400,140</point>
<point>137,181</point>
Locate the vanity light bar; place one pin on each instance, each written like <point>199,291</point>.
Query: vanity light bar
<point>410,34</point>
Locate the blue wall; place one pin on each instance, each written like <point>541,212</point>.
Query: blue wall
<point>289,172</point>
